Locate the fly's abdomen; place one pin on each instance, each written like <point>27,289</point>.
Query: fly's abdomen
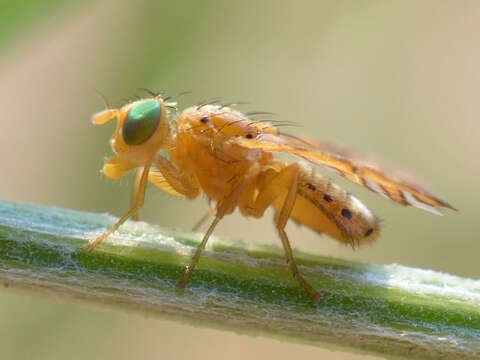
<point>326,208</point>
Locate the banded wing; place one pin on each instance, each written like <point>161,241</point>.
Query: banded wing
<point>374,177</point>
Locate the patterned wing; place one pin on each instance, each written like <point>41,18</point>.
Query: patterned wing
<point>378,179</point>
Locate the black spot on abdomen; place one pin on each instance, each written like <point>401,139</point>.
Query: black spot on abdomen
<point>327,198</point>
<point>346,213</point>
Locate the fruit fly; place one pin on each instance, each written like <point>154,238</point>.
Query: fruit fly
<point>231,158</point>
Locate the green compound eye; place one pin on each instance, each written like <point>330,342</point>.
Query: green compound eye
<point>141,122</point>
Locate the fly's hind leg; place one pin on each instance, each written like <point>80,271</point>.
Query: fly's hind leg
<point>285,181</point>
<point>293,266</point>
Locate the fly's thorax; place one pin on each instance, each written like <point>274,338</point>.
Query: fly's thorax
<point>214,127</point>
<point>217,174</point>
<point>217,121</point>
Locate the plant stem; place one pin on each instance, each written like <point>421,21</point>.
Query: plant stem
<point>380,309</point>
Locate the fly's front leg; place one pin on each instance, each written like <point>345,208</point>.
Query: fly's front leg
<point>286,181</point>
<point>135,193</point>
<point>140,199</point>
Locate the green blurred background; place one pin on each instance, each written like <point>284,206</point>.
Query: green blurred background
<point>398,80</point>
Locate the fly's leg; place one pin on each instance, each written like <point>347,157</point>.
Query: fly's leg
<point>172,176</point>
<point>201,221</point>
<point>281,223</point>
<point>285,181</point>
<point>135,193</point>
<point>224,207</point>
<point>140,198</point>
<point>211,212</point>
<point>293,266</point>
<point>189,268</point>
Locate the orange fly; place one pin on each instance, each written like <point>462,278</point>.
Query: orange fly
<point>230,157</point>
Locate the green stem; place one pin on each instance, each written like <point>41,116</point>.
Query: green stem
<point>380,309</point>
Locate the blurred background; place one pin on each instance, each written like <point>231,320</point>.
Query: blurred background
<point>397,80</point>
